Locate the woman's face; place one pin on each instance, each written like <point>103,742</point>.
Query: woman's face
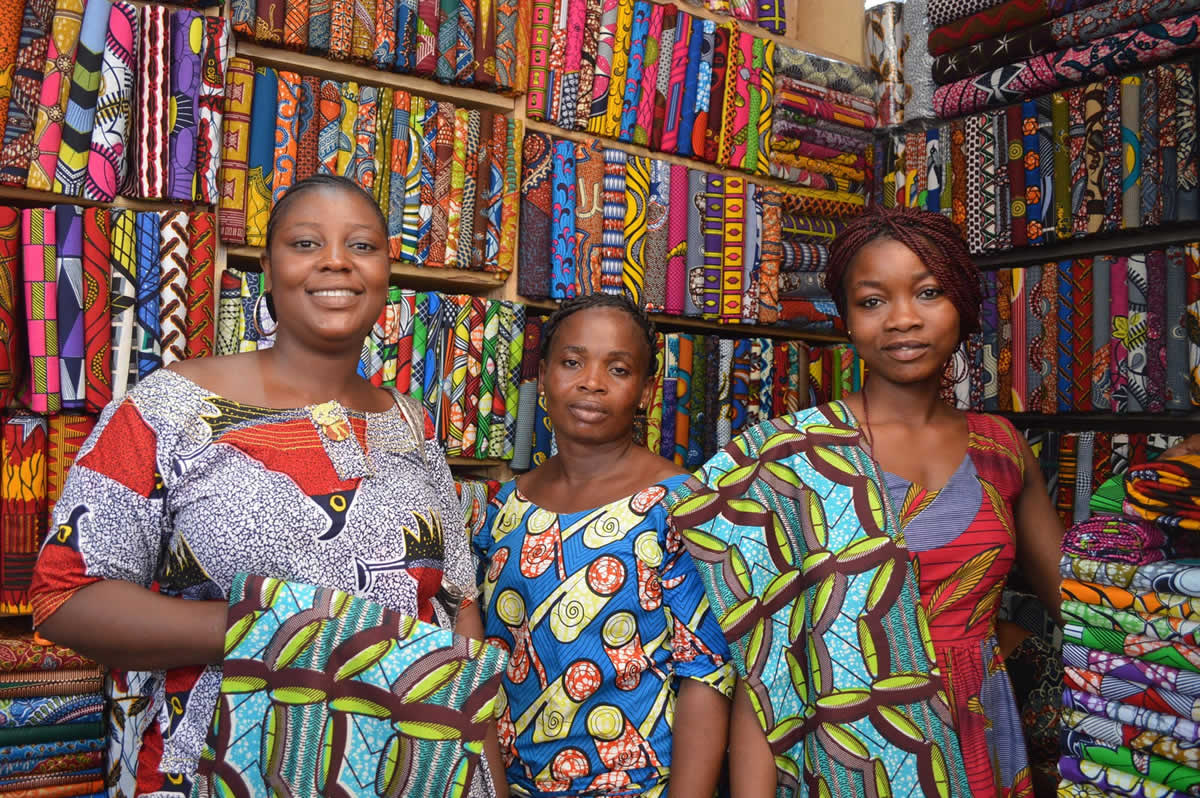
<point>327,269</point>
<point>594,376</point>
<point>903,325</point>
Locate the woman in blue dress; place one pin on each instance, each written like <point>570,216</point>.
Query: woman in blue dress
<point>618,680</point>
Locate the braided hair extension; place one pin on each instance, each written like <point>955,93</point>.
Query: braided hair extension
<point>615,301</point>
<point>932,237</point>
<point>308,184</point>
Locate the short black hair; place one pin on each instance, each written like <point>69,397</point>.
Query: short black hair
<point>298,189</point>
<point>599,300</point>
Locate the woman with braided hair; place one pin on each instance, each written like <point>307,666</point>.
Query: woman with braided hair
<point>855,553</point>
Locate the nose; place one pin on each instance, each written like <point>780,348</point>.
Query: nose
<point>902,314</point>
<point>335,256</point>
<point>593,378</point>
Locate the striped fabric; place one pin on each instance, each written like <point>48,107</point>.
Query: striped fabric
<point>71,167</point>
<point>153,115</point>
<point>40,272</point>
<point>55,88</point>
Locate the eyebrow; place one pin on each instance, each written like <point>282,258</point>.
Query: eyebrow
<point>925,275</point>
<point>583,350</point>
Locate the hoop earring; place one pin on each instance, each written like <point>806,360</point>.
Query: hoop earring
<point>256,317</point>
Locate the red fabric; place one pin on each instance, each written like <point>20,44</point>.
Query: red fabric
<point>202,252</point>
<point>12,352</point>
<point>97,313</point>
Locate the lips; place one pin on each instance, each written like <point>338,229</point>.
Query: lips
<point>906,350</point>
<point>335,298</point>
<point>587,412</point>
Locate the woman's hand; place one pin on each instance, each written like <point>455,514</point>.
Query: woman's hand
<point>127,627</point>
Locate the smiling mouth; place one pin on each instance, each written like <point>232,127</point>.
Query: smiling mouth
<point>339,292</point>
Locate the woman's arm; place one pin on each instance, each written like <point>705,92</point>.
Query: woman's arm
<point>698,740</point>
<point>1039,535</point>
<point>128,627</point>
<point>470,624</point>
<point>751,765</point>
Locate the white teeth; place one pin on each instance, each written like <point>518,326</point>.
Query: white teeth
<point>334,292</point>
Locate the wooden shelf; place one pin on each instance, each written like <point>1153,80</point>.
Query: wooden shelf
<point>34,197</point>
<point>453,280</point>
<point>1170,422</point>
<point>674,323</point>
<point>307,64</point>
<point>581,136</point>
<point>1117,242</point>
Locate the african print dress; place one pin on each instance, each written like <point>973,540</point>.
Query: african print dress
<point>961,540</point>
<point>602,613</point>
<point>180,490</point>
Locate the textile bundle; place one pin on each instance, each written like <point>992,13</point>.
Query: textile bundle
<point>770,14</point>
<point>1132,665</point>
<point>462,356</point>
<point>93,296</point>
<point>445,177</point>
<point>683,241</point>
<point>1115,154</point>
<point>706,390</point>
<point>108,99</point>
<point>1021,50</point>
<point>463,41</point>
<point>834,372</point>
<point>657,76</point>
<point>52,717</point>
<point>1106,334</point>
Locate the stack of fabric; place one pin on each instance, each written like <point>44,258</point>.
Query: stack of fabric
<point>51,719</point>
<point>1110,333</point>
<point>1130,644</point>
<point>680,240</point>
<point>445,177</point>
<point>1115,154</point>
<point>474,494</point>
<point>834,372</point>
<point>1025,48</point>
<point>706,390</point>
<point>652,74</point>
<point>95,88</point>
<point>770,15</point>
<point>462,41</point>
<point>462,356</point>
<point>96,299</point>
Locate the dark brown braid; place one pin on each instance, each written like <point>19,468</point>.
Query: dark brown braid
<point>935,240</point>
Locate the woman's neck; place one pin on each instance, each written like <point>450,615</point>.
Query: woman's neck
<point>312,377</point>
<point>584,464</point>
<point>910,404</point>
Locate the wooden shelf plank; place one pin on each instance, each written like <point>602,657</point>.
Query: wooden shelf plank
<point>690,324</point>
<point>1173,423</point>
<point>453,280</point>
<point>1119,242</point>
<point>34,197</point>
<point>307,64</point>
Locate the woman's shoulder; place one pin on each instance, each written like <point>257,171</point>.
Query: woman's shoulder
<point>996,437</point>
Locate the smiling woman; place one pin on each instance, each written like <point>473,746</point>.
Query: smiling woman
<point>619,676</point>
<point>281,463</point>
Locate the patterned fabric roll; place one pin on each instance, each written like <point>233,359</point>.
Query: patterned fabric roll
<point>632,88</point>
<point>1082,307</point>
<point>229,311</point>
<point>1064,372</point>
<point>657,234</point>
<point>362,169</point>
<point>458,186</point>
<point>362,31</point>
<point>442,178</point>
<point>386,30</point>
<point>1020,341</point>
<point>69,235</point>
<point>22,507</point>
<point>399,133</point>
<point>1015,164</point>
<point>39,252</point>
<point>772,256</point>
<point>733,242</point>
<point>1168,142</point>
<point>347,116</point>
<point>712,227</point>
<point>80,114</point>
<point>467,12</point>
<point>480,166</point>
<point>562,222</point>
<point>147,337</point>
<point>152,118</point>
<point>1156,330</point>
<point>1094,142</point>
<point>1111,174</point>
<point>1191,265</point>
<point>1118,351</point>
<point>447,41</point>
<point>187,43</point>
<point>1101,392</point>
<point>1077,144</point>
<point>235,151</point>
<point>261,156</point>
<point>97,312</point>
<point>884,53</point>
<point>533,276</point>
<point>26,90</point>
<point>425,125</point>
<point>295,24</point>
<point>1136,335</point>
<point>1151,156</point>
<point>613,256</point>
<point>55,88</point>
<point>122,261</point>
<point>514,319</point>
<point>10,42</point>
<point>341,29</point>
<point>706,135</point>
<point>1131,155</point>
<point>172,309</point>
<point>677,240</point>
<point>1187,151</point>
<point>487,380</point>
<point>589,215</point>
<point>1177,395</point>
<point>214,64</point>
<point>697,188</point>
<point>658,43</point>
<point>320,26</point>
<point>622,41</point>
<point>11,279</point>
<point>268,22</point>
<point>107,158</point>
<point>308,128</point>
<point>201,271</point>
<point>637,200</point>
